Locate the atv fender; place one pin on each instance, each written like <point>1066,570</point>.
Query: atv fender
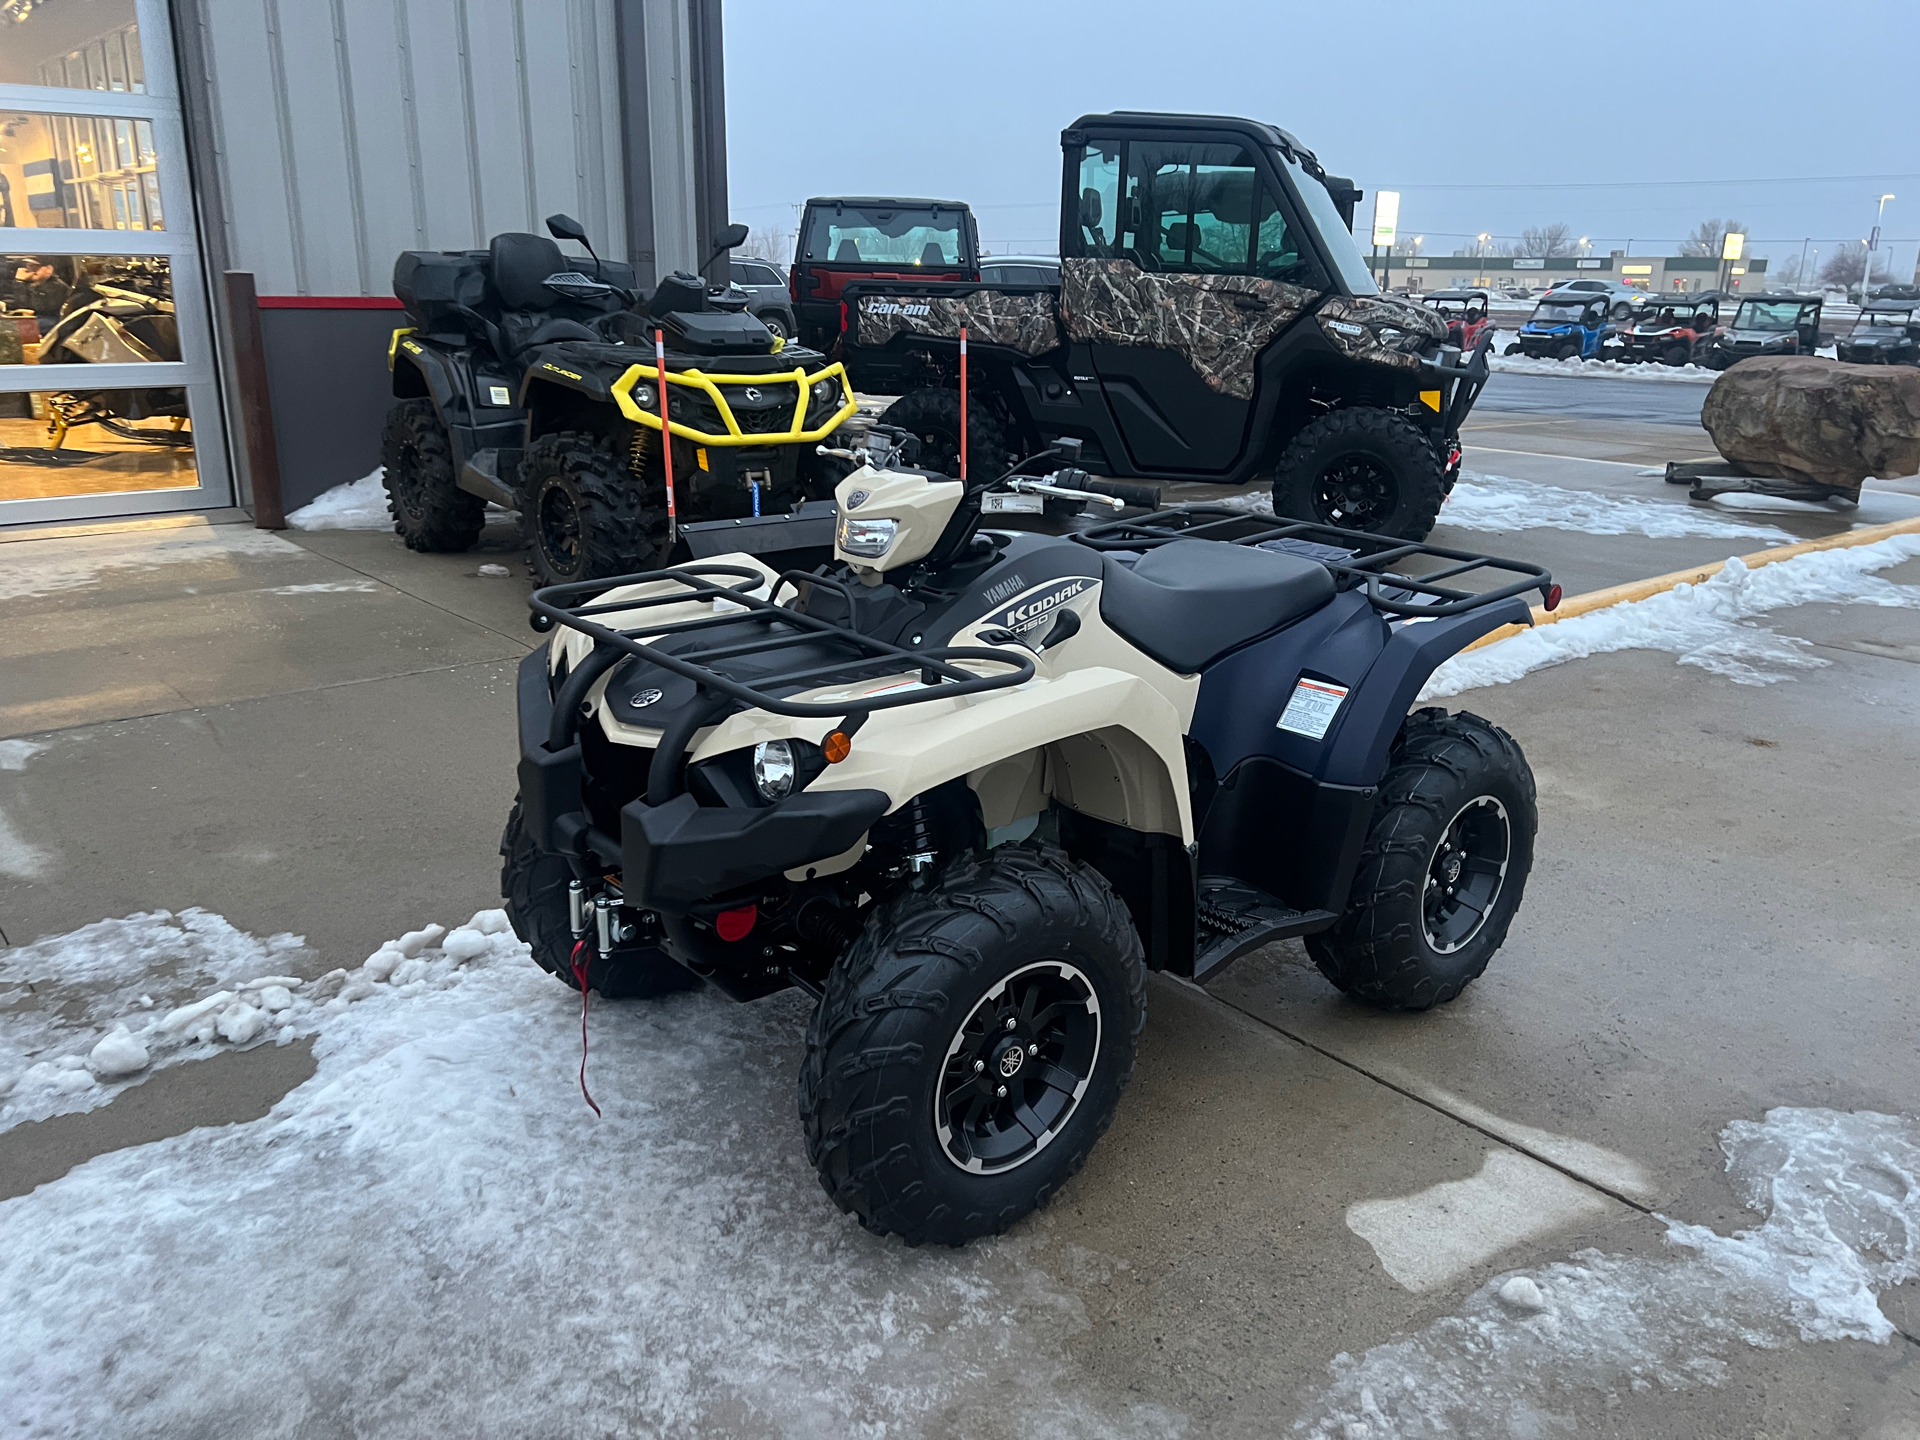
<point>1016,748</point>
<point>1363,734</point>
<point>420,371</point>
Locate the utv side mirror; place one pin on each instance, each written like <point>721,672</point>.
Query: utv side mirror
<point>565,227</point>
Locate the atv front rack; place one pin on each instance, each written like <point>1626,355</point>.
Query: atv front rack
<point>1357,558</point>
<point>738,604</point>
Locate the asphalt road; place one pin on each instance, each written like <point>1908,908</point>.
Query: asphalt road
<point>1594,397</point>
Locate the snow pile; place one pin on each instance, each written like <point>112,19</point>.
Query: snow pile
<point>1688,374</point>
<point>434,1236</point>
<point>73,562</point>
<point>78,1018</point>
<point>1500,502</point>
<point>1841,1195</point>
<point>357,505</point>
<point>1701,624</point>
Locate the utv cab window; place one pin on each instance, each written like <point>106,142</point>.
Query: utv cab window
<point>1563,312</point>
<point>1099,198</point>
<point>1190,208</point>
<point>852,235</point>
<point>1762,315</point>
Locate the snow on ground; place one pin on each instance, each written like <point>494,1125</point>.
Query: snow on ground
<point>434,1236</point>
<point>1500,502</point>
<point>73,562</point>
<point>357,505</point>
<point>1620,369</point>
<point>1701,624</point>
<point>1841,1197</point>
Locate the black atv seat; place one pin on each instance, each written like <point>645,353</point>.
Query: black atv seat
<point>1190,601</point>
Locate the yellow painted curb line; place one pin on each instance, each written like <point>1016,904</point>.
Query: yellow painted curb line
<point>1658,584</point>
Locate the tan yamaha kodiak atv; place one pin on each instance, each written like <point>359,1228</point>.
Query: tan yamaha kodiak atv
<point>1213,322</point>
<point>966,787</point>
<point>535,386</point>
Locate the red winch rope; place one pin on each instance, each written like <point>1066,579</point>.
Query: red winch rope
<point>580,978</point>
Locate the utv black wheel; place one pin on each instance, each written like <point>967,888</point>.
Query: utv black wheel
<point>972,1046</point>
<point>430,512</point>
<point>534,885</point>
<point>1513,348</point>
<point>1363,469</point>
<point>1676,355</point>
<point>1443,870</point>
<point>934,415</point>
<point>581,512</point>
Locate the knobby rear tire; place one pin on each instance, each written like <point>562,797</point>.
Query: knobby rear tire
<point>1379,951</point>
<point>430,511</point>
<point>933,414</point>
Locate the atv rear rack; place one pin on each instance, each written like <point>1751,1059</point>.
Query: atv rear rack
<point>1357,558</point>
<point>737,604</point>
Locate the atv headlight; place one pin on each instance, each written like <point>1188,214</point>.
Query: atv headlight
<point>774,769</point>
<point>869,538</point>
<point>825,390</point>
<point>643,395</point>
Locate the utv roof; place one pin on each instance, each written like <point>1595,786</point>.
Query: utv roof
<point>1457,295</point>
<point>1898,303</point>
<point>897,202</point>
<point>1782,296</point>
<point>1257,130</point>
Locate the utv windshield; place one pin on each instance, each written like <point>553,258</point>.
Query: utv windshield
<point>1334,234</point>
<point>861,235</point>
<point>1884,319</point>
<point>1566,312</point>
<point>1766,315</point>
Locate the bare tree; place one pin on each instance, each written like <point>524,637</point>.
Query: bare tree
<point>1841,270</point>
<point>769,242</point>
<point>1710,235</point>
<point>1408,245</point>
<point>1549,240</point>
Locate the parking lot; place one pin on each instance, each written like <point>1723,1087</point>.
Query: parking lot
<point>1519,1213</point>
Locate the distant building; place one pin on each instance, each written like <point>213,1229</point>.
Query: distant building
<point>1663,273</point>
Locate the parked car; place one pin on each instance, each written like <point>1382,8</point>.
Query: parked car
<point>765,284</point>
<point>1625,298</point>
<point>1020,269</point>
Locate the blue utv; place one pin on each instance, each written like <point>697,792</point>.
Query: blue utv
<point>1565,327</point>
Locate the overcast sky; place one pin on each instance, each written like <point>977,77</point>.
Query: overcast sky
<point>1629,121</point>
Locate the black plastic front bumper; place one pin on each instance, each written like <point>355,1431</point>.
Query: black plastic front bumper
<point>674,856</point>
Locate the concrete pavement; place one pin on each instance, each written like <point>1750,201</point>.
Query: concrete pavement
<point>315,734</point>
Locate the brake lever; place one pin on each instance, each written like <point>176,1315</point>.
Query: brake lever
<point>1025,486</point>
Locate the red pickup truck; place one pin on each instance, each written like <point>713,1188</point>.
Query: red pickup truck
<point>865,237</point>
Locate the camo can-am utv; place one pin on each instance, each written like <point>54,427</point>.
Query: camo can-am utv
<point>537,387</point>
<point>1213,322</point>
<point>965,787</point>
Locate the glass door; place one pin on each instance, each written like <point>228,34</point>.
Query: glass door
<point>108,396</point>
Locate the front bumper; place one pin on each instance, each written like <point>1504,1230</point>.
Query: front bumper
<point>674,856</point>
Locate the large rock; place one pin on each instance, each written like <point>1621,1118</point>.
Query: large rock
<point>1819,422</point>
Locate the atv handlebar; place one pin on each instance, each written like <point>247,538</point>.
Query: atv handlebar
<point>1146,497</point>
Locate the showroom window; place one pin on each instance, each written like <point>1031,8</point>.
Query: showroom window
<point>108,403</point>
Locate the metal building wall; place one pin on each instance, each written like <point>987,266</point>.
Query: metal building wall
<point>345,131</point>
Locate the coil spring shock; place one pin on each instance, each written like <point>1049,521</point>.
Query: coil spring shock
<point>639,449</point>
<point>918,836</point>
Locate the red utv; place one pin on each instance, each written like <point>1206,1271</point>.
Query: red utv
<point>1672,329</point>
<point>1466,314</point>
<point>873,238</point>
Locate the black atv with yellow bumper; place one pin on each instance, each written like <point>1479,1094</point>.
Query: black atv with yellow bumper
<point>745,412</point>
<point>531,384</point>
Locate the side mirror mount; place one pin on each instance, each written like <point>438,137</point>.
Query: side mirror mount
<point>565,227</point>
<point>1068,448</point>
<point>734,235</point>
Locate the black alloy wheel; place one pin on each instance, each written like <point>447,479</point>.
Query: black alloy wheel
<point>1356,492</point>
<point>556,524</point>
<point>582,513</point>
<point>1466,874</point>
<point>1017,1067</point>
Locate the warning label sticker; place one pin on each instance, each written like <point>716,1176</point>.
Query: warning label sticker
<point>1311,709</point>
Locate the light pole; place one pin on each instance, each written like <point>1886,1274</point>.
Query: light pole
<point>1873,240</point>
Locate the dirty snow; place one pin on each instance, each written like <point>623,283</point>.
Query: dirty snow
<point>1703,625</point>
<point>63,996</point>
<point>328,587</point>
<point>1500,502</point>
<point>434,1236</point>
<point>73,562</point>
<point>14,754</point>
<point>1841,1198</point>
<point>357,505</point>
